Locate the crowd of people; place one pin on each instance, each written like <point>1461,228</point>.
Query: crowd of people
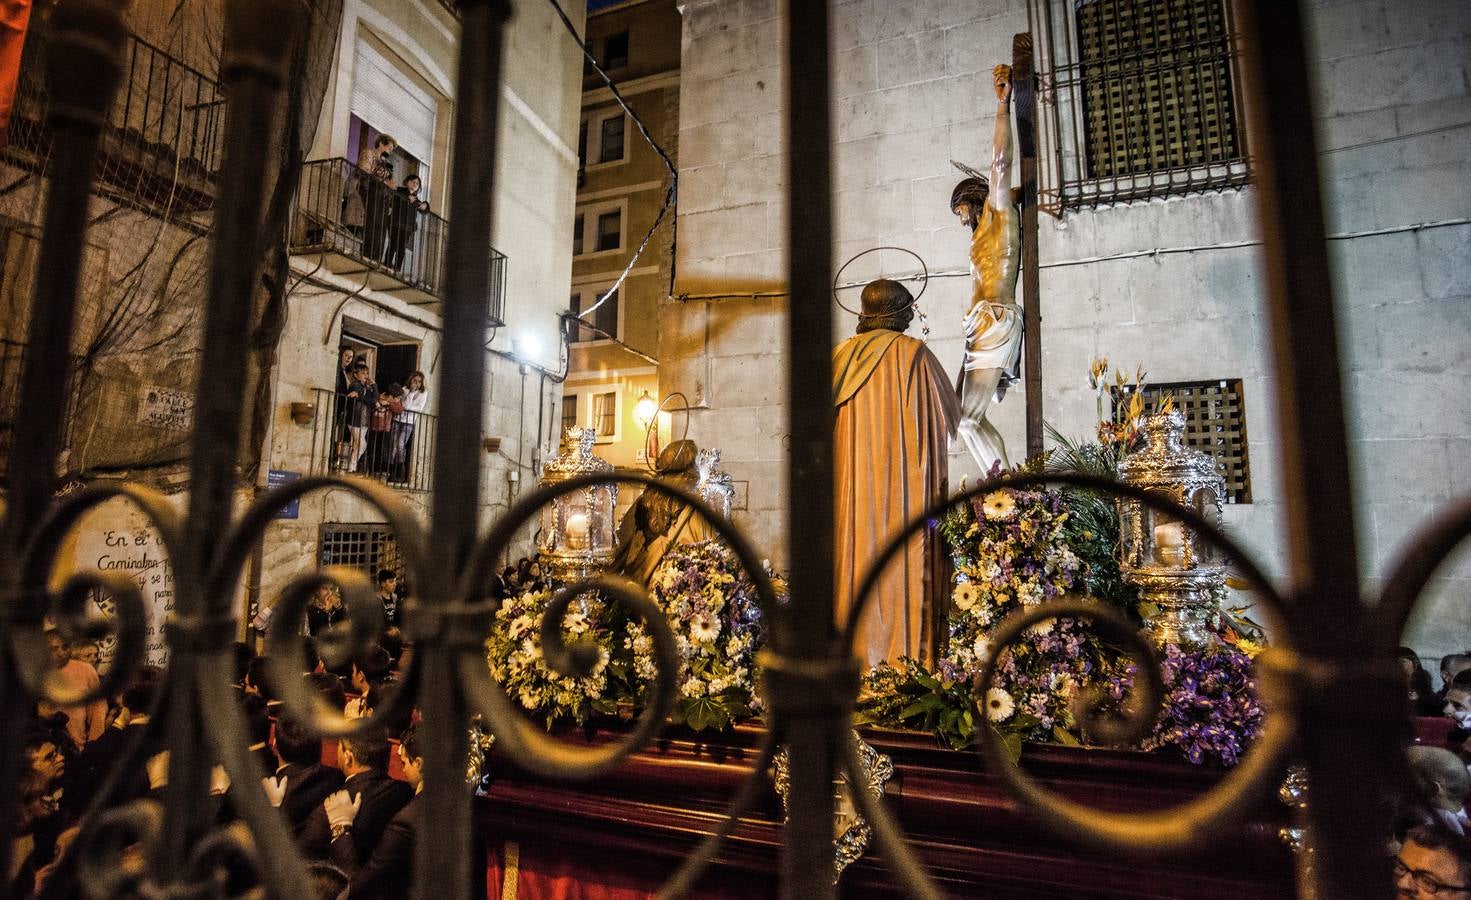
<point>383,213</point>
<point>349,803</point>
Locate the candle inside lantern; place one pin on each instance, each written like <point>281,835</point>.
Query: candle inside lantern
<point>1169,543</point>
<point>579,528</point>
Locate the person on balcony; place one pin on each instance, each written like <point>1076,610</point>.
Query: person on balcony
<point>380,429</point>
<point>374,184</point>
<point>415,398</point>
<point>403,222</point>
<point>363,395</point>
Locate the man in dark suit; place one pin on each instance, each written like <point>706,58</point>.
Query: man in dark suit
<point>368,800</point>
<point>301,781</point>
<point>389,871</point>
<point>103,755</point>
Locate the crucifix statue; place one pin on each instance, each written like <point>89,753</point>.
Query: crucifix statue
<point>993,322</point>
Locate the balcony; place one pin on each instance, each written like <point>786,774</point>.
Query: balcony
<point>360,228</point>
<point>163,147</point>
<point>401,456</point>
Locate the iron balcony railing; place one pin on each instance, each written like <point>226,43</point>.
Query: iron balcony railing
<point>395,449</point>
<point>340,209</point>
<point>163,143</point>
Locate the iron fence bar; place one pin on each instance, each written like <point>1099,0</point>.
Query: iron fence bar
<point>258,44</point>
<point>443,849</point>
<point>806,643</point>
<point>91,34</point>
<point>1344,752</point>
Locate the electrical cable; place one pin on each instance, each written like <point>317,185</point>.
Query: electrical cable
<point>669,195</point>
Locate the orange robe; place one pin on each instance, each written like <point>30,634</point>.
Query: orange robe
<point>895,414</point>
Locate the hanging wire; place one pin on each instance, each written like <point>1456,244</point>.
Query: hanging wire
<point>669,195</point>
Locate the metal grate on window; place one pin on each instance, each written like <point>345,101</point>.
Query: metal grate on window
<point>1144,102</point>
<point>366,546</point>
<point>1215,423</point>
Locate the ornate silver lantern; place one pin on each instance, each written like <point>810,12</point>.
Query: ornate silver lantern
<point>577,529</point>
<point>1159,554</point>
<point>714,486</point>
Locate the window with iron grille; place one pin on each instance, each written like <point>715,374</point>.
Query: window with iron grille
<point>1144,99</point>
<point>366,546</point>
<point>1215,423</point>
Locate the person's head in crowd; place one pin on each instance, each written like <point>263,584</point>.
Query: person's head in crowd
<point>331,689</point>
<point>412,757</point>
<point>1432,863</point>
<point>138,697</point>
<point>366,752</point>
<point>344,356</point>
<point>1419,678</point>
<point>244,654</point>
<point>293,744</point>
<point>417,382</point>
<point>86,652</point>
<point>311,655</point>
<point>1458,700</point>
<point>369,669</point>
<point>257,681</point>
<point>385,145</point>
<point>328,882</point>
<point>43,756</point>
<point>394,389</point>
<point>387,582</point>
<point>360,372</point>
<point>257,720</point>
<point>393,643</point>
<point>326,596</point>
<point>61,651</point>
<point>412,184</point>
<point>1442,778</point>
<point>1453,665</point>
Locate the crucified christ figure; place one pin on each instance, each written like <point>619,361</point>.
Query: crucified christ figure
<point>993,323</point>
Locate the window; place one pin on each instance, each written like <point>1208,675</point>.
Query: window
<point>1146,101</point>
<point>366,547</point>
<point>604,318</point>
<point>615,51</point>
<point>599,229</point>
<point>610,148</point>
<point>569,412</point>
<point>1215,423</point>
<point>605,413</point>
<point>601,138</point>
<point>610,230</point>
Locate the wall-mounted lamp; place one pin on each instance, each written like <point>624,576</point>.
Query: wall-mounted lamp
<point>645,410</point>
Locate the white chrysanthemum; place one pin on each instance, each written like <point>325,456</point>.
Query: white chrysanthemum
<point>965,596</point>
<point>982,649</point>
<point>998,506</point>
<point>705,629</point>
<point>999,705</point>
<point>1041,628</point>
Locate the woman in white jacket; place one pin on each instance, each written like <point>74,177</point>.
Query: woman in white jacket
<point>415,398</point>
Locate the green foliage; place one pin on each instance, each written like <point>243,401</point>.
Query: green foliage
<point>911,696</point>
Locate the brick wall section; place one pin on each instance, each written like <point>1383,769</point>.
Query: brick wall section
<point>912,92</point>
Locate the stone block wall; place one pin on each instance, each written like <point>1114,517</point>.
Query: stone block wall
<point>1173,284</point>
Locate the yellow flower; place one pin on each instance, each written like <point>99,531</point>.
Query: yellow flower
<point>965,596</point>
<point>1250,648</point>
<point>998,506</point>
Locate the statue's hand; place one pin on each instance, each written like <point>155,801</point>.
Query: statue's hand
<point>1001,78</point>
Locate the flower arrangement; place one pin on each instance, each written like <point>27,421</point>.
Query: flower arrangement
<point>712,608</point>
<point>1211,711</point>
<point>516,660</point>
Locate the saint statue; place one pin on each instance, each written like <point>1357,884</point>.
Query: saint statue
<point>657,523</point>
<point>993,323</point>
<point>896,413</point>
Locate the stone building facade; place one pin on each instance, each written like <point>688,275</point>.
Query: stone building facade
<point>1171,283</point>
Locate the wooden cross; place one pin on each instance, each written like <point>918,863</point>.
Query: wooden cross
<point>1023,96</point>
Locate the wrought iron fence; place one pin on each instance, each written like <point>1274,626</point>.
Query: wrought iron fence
<point>1331,678</point>
<point>394,448</point>
<point>342,209</point>
<point>162,145</point>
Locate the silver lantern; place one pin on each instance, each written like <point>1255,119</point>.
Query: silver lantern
<point>1163,557</point>
<point>714,486</point>
<point>577,529</point>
